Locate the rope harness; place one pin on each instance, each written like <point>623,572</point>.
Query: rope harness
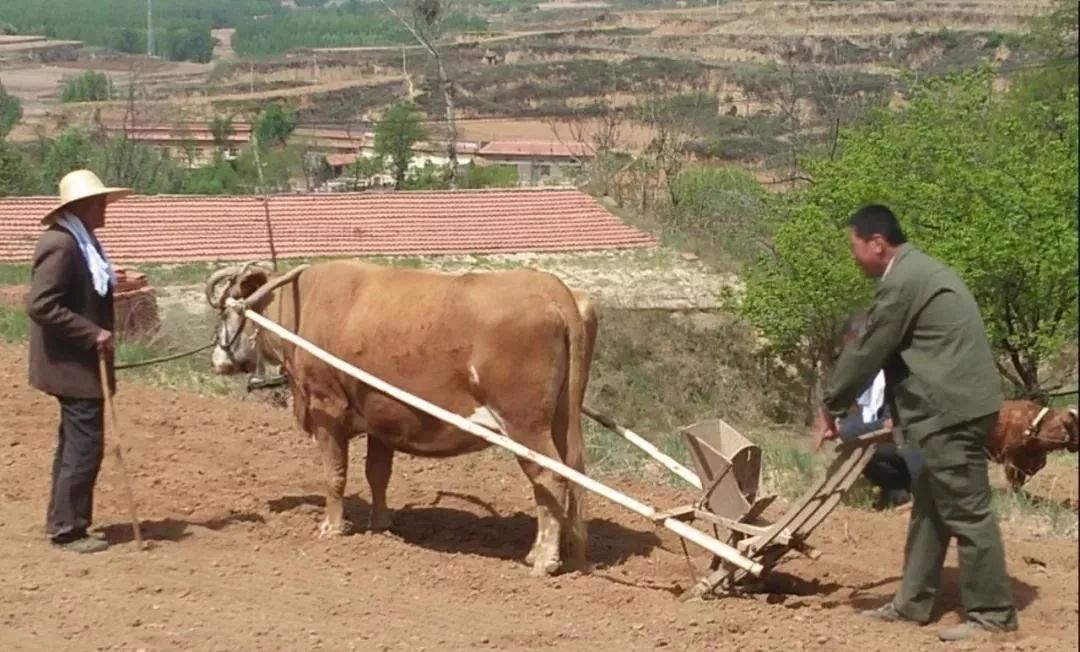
<point>1032,431</point>
<point>228,342</point>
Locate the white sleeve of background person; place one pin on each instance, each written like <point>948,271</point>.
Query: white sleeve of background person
<point>874,398</point>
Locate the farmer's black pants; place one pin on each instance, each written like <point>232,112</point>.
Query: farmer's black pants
<point>79,451</point>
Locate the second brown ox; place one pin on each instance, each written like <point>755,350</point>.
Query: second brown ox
<point>1026,433</point>
<point>508,350</point>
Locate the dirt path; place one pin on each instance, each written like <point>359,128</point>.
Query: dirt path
<point>230,496</point>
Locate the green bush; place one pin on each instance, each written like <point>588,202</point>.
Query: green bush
<point>91,86</point>
<point>489,176</point>
<point>355,24</point>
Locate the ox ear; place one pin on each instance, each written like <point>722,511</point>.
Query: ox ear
<point>253,279</point>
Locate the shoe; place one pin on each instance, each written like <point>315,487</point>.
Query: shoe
<point>85,544</point>
<point>970,629</point>
<point>888,614</point>
<point>892,499</point>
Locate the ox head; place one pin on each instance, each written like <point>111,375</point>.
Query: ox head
<point>235,350</point>
<point>1071,426</point>
<point>1060,430</point>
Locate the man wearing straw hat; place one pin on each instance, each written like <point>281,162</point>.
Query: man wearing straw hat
<point>70,304</point>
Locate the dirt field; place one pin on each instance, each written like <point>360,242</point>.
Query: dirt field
<point>230,496</point>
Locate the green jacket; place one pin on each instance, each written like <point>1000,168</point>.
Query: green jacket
<point>924,329</point>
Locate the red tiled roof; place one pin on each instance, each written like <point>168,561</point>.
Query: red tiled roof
<point>173,127</point>
<point>335,160</point>
<point>162,136</point>
<point>551,148</point>
<point>176,228</point>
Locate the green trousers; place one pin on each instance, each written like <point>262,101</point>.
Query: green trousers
<point>952,500</point>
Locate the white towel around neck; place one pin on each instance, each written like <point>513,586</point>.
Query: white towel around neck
<point>100,268</point>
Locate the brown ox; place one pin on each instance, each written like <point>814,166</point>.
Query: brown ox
<point>508,350</point>
<point>1025,433</point>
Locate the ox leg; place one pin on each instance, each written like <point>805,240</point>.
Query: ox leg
<point>335,452</point>
<point>1016,477</point>
<point>573,539</point>
<point>550,493</point>
<point>380,463</point>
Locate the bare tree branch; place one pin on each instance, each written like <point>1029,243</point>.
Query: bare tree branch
<point>447,84</point>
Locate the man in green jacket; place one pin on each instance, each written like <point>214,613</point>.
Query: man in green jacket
<point>924,329</point>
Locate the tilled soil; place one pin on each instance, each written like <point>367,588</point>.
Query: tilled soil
<point>230,495</point>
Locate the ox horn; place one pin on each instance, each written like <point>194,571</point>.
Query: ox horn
<point>215,279</point>
<point>273,284</point>
<point>232,272</point>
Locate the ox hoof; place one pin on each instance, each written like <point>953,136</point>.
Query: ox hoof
<point>543,564</point>
<point>329,529</point>
<point>380,523</point>
<point>545,568</point>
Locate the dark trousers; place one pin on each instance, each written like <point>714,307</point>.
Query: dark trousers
<point>887,469</point>
<point>79,451</point>
<point>952,501</point>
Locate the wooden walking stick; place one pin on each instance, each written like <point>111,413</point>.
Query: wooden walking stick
<point>115,432</point>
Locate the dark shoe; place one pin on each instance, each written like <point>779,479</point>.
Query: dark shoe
<point>86,544</point>
<point>891,499</point>
<point>897,498</point>
<point>888,614</point>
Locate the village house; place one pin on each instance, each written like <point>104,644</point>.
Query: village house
<point>539,162</point>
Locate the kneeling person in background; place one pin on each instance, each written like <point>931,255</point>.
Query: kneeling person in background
<point>892,469</point>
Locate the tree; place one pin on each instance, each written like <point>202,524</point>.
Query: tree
<point>427,22</point>
<point>91,86</point>
<point>982,183</point>
<point>131,164</point>
<point>189,45</point>
<point>126,40</point>
<point>275,125</point>
<point>490,176</point>
<point>602,139</point>
<point>221,130</point>
<point>1053,37</point>
<point>10,111</point>
<point>218,178</point>
<point>71,151</point>
<point>674,122</point>
<point>721,207</point>
<point>395,136</point>
<point>15,177</point>
<point>365,169</point>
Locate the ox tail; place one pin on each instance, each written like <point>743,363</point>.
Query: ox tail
<point>575,442</point>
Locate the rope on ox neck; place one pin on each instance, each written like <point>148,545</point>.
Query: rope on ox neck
<point>1033,427</point>
<point>1032,431</point>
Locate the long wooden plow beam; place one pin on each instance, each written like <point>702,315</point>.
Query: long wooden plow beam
<point>644,444</point>
<point>684,530</point>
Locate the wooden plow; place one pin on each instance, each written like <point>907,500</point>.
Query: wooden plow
<point>728,473</point>
<point>728,469</point>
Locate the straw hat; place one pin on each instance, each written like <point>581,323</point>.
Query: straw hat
<point>81,184</point>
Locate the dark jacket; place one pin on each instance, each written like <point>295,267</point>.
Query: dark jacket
<point>925,330</point>
<point>66,315</point>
